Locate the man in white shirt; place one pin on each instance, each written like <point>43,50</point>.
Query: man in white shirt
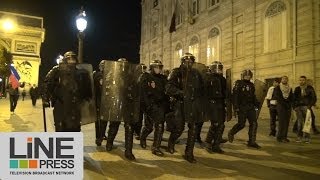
<point>272,104</point>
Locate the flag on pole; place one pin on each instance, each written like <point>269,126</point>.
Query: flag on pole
<point>14,77</point>
<point>173,19</point>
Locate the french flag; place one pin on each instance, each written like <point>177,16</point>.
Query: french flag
<point>14,77</point>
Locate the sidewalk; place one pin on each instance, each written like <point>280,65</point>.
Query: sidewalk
<point>274,161</point>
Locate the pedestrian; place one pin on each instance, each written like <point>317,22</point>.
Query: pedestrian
<point>304,99</point>
<point>23,94</point>
<point>284,97</point>
<point>14,96</point>
<point>272,105</point>
<point>34,94</point>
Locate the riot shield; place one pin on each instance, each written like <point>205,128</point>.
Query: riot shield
<point>88,106</point>
<point>120,98</point>
<point>228,95</point>
<point>260,92</point>
<point>203,103</point>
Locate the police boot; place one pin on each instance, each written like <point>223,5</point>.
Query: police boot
<point>143,138</point>
<point>190,145</point>
<point>157,140</point>
<point>218,137</point>
<point>98,139</point>
<point>198,128</point>
<point>171,142</point>
<point>113,130</point>
<point>230,136</point>
<point>128,142</point>
<point>252,135</point>
<point>209,138</point>
<point>100,128</point>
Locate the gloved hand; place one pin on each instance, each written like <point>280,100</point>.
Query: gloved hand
<point>46,104</point>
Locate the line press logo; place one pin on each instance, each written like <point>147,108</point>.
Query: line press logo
<point>39,155</point>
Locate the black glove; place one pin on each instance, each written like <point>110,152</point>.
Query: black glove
<point>46,104</point>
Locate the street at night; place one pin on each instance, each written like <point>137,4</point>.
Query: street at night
<point>273,161</point>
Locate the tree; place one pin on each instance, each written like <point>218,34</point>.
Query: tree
<point>5,62</point>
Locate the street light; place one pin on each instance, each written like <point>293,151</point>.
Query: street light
<point>81,26</point>
<point>8,25</point>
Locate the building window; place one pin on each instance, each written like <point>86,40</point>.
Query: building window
<point>213,46</point>
<point>239,44</point>
<point>214,2</point>
<point>177,55</point>
<point>194,47</point>
<point>275,27</point>
<point>195,7</point>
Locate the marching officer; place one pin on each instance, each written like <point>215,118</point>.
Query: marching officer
<point>216,92</point>
<point>156,103</point>
<point>66,87</point>
<point>185,88</point>
<point>143,76</point>
<point>100,126</point>
<point>245,104</point>
<point>126,90</point>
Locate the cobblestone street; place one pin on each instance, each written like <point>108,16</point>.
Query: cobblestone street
<point>274,161</point>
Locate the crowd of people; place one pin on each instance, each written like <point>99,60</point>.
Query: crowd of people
<point>152,100</point>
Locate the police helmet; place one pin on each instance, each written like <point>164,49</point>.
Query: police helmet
<point>216,67</point>
<point>70,57</point>
<point>101,65</point>
<point>155,63</point>
<point>188,57</point>
<point>122,60</point>
<point>246,72</point>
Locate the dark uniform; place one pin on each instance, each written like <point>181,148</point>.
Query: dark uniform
<point>100,126</point>
<point>216,92</point>
<point>155,100</point>
<point>143,76</point>
<point>66,87</point>
<point>185,88</point>
<point>245,104</point>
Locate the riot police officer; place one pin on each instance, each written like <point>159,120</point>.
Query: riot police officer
<point>120,103</point>
<point>66,86</point>
<point>156,103</point>
<point>185,88</point>
<point>215,88</point>
<point>142,78</point>
<point>245,104</point>
<point>100,126</point>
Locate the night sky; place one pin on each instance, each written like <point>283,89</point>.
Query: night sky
<point>113,29</point>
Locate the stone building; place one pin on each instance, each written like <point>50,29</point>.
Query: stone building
<point>23,35</point>
<point>271,37</point>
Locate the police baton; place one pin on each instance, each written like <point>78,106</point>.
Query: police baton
<point>44,117</point>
